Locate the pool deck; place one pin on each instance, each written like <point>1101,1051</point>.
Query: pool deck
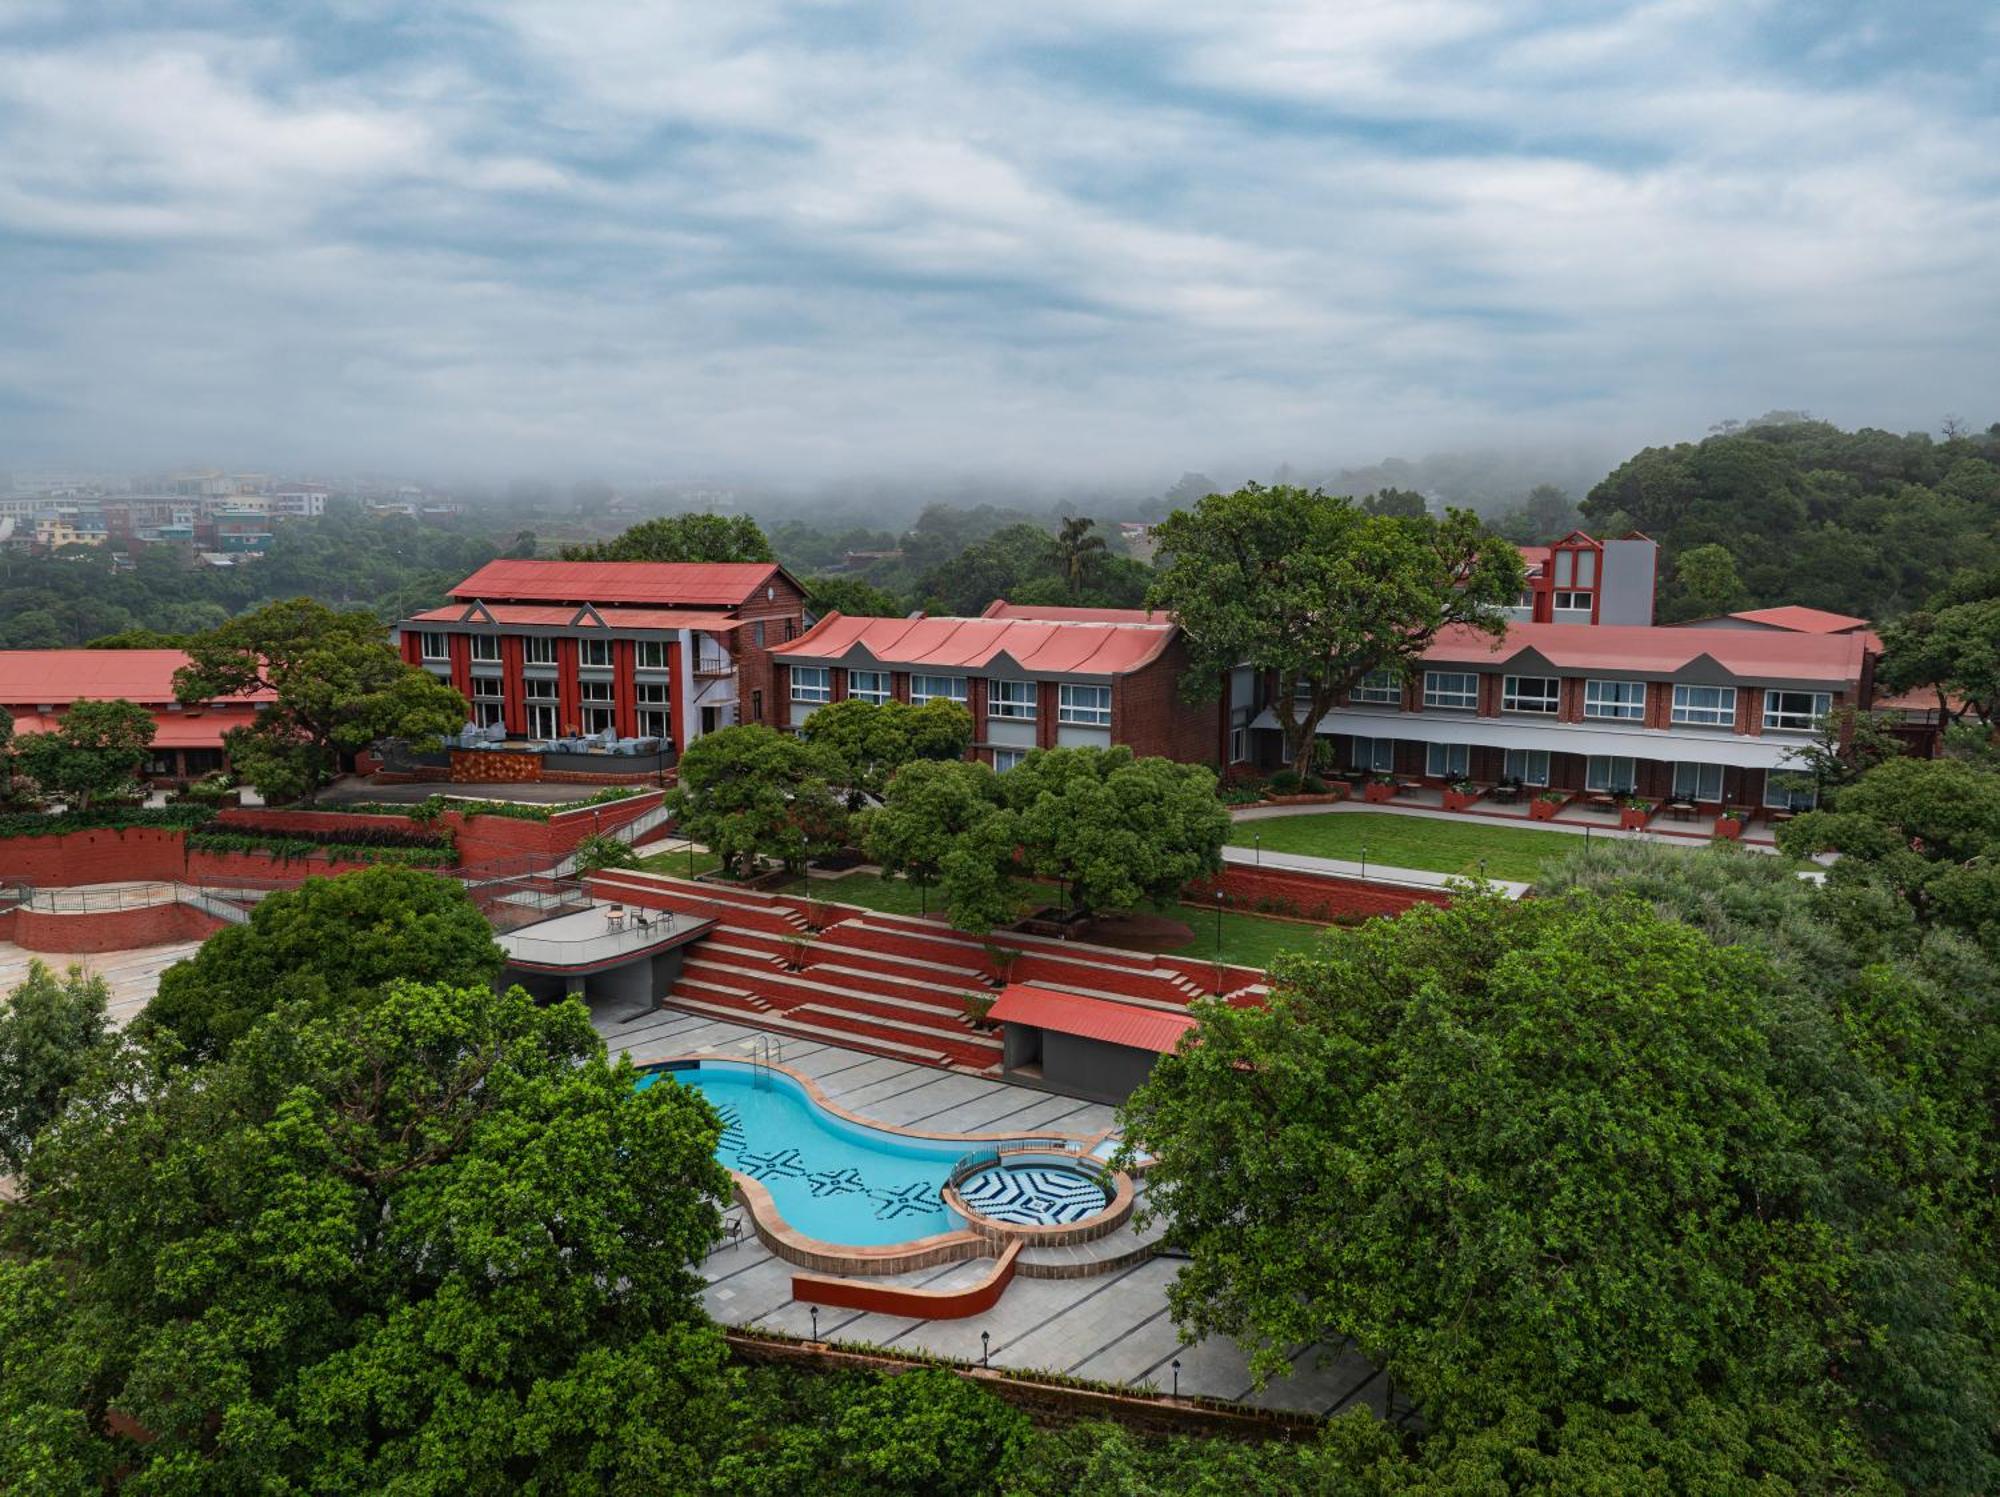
<point>1113,1327</point>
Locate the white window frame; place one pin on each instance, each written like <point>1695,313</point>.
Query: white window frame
<point>538,649</point>
<point>930,688</point>
<point>593,693</point>
<point>1384,687</point>
<point>651,655</point>
<point>1448,698</point>
<point>1789,719</point>
<point>1601,772</point>
<point>1239,735</point>
<point>1071,707</point>
<point>1569,601</point>
<point>1800,794</point>
<point>594,654</point>
<point>655,722</point>
<point>1694,780</point>
<point>1448,761</point>
<point>1513,700</point>
<point>877,693</point>
<point>488,689</point>
<point>1607,699</point>
<point>432,645</point>
<point>1529,766</point>
<point>486,649</point>
<point>1013,700</point>
<point>541,719</point>
<point>812,683</point>
<point>650,693</point>
<point>1688,715</point>
<point>488,713</point>
<point>599,717</point>
<point>1380,754</point>
<point>1006,759</point>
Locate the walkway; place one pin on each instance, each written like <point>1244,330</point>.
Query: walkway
<point>1666,833</point>
<point>134,975</point>
<point>1374,873</point>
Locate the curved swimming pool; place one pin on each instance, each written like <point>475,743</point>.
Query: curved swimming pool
<point>831,1178</point>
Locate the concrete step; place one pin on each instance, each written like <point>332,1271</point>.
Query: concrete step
<point>830,980</point>
<point>894,1028</point>
<point>847,1039</point>
<point>729,997</point>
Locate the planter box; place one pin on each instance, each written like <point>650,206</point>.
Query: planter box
<point>1460,800</point>
<point>1375,794</point>
<point>1332,795</point>
<point>1729,831</point>
<point>1634,819</point>
<point>1544,810</point>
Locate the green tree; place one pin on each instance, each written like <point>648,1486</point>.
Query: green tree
<point>872,740</point>
<point>1404,504</point>
<point>1953,651</point>
<point>35,629</point>
<point>688,537</point>
<point>442,1244</point>
<point>602,851</point>
<point>1319,593</point>
<point>1077,549</point>
<point>928,811</point>
<point>96,749</point>
<point>852,597</point>
<point>49,1028</point>
<point>751,791</point>
<point>138,639</point>
<point>338,687</point>
<point>331,943</point>
<point>1706,582</point>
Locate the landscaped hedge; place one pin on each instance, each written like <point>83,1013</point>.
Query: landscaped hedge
<point>115,818</point>
<point>434,806</point>
<point>292,848</point>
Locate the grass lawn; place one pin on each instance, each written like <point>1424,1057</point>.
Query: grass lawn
<point>675,864</point>
<point>1411,842</point>
<point>1247,940</point>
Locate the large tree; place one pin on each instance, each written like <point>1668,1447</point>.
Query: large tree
<point>49,1028</point>
<point>688,537</point>
<point>928,811</point>
<point>1077,549</point>
<point>872,740</point>
<point>1953,651</point>
<point>96,749</point>
<point>442,1245</point>
<point>332,943</point>
<point>1318,593</point>
<point>338,684</point>
<point>751,791</point>
<point>853,597</point>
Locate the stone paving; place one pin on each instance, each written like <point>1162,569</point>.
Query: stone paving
<point>134,975</point>
<point>1114,1327</point>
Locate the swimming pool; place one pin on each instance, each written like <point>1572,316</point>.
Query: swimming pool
<point>831,1178</point>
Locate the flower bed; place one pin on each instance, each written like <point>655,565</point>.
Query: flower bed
<point>438,854</point>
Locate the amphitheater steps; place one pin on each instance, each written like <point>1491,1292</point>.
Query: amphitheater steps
<point>791,1028</point>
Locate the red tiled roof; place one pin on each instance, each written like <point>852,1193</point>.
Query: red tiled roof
<point>560,615</point>
<point>1000,608</point>
<point>1660,650</point>
<point>703,584</point>
<point>1802,620</point>
<point>170,729</point>
<point>56,677</point>
<point>1091,1018</point>
<point>954,644</point>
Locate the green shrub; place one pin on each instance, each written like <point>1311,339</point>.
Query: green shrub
<point>113,818</point>
<point>292,849</point>
<point>1285,782</point>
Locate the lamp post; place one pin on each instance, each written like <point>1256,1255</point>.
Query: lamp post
<point>815,1316</point>
<point>1364,862</point>
<point>690,860</point>
<point>985,1348</point>
<point>1218,943</point>
<point>1257,842</point>
<point>1177,1377</point>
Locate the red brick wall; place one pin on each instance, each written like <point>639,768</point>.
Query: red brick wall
<point>481,839</point>
<point>1311,895</point>
<point>110,930</point>
<point>482,767</point>
<point>1149,715</point>
<point>94,857</point>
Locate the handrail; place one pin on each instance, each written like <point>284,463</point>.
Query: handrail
<point>972,1164</point>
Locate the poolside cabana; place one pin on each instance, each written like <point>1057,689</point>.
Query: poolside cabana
<point>1085,1047</point>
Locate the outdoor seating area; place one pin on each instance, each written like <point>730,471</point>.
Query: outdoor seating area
<point>472,736</point>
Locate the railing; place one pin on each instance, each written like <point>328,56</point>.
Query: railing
<point>224,903</point>
<point>551,951</point>
<point>975,1163</point>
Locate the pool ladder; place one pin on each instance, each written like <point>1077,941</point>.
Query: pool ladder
<point>765,1055</point>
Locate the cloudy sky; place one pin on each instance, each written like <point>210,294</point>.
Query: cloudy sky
<point>1092,236</point>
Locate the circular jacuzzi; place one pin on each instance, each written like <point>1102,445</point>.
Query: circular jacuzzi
<point>1034,1193</point>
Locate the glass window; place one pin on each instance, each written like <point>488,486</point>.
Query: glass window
<point>538,649</point>
<point>652,655</point>
<point>1795,711</point>
<point>1528,766</point>
<point>1530,694</point>
<point>923,688</point>
<point>1565,561</point>
<point>1084,706</point>
<point>1448,761</point>
<point>651,693</point>
<point>485,647</point>
<point>1604,772</point>
<point>1378,686</point>
<point>487,714</point>
<point>1621,699</point>
<point>1006,759</point>
<point>594,691</point>
<point>596,652</point>
<point>1705,706</point>
<point>541,720</point>
<point>868,686</point>
<point>1377,755</point>
<point>1011,699</point>
<point>1787,790</point>
<point>487,689</point>
<point>539,691</point>
<point>653,723</point>
<point>1579,602</point>
<point>812,683</point>
<point>1451,689</point>
<point>597,720</point>
<point>1586,568</point>
<point>1698,781</point>
<point>1239,735</point>
<point>433,646</point>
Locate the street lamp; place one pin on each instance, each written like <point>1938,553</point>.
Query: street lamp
<point>1218,943</point>
<point>1364,862</point>
<point>815,1316</point>
<point>1257,842</point>
<point>985,1348</point>
<point>1177,1377</point>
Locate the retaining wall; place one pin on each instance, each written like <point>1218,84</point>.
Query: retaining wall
<point>97,856</point>
<point>1312,896</point>
<point>106,930</point>
<point>481,839</point>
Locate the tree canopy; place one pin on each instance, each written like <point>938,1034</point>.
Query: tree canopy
<point>688,537</point>
<point>49,1028</point>
<point>853,597</point>
<point>339,688</point>
<point>872,740</point>
<point>1320,593</point>
<point>95,749</point>
<point>750,791</point>
<point>441,1244</point>
<point>331,943</point>
<point>928,811</point>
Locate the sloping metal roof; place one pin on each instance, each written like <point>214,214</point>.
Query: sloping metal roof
<point>1036,646</point>
<point>564,615</point>
<point>725,584</point>
<point>1052,613</point>
<point>1091,1018</point>
<point>1649,649</point>
<point>1802,620</point>
<point>55,677</point>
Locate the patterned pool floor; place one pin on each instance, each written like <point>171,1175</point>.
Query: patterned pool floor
<point>1033,1196</point>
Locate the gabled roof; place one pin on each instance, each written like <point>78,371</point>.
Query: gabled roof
<point>1646,649</point>
<point>191,729</point>
<point>577,615</point>
<point>1032,646</point>
<point>700,584</point>
<point>1000,608</point>
<point>55,677</point>
<point>1802,620</point>
<point>1091,1018</point>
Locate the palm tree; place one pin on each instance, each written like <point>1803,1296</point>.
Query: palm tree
<point>1075,546</point>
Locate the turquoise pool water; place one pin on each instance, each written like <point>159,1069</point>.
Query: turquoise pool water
<point>830,1178</point>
